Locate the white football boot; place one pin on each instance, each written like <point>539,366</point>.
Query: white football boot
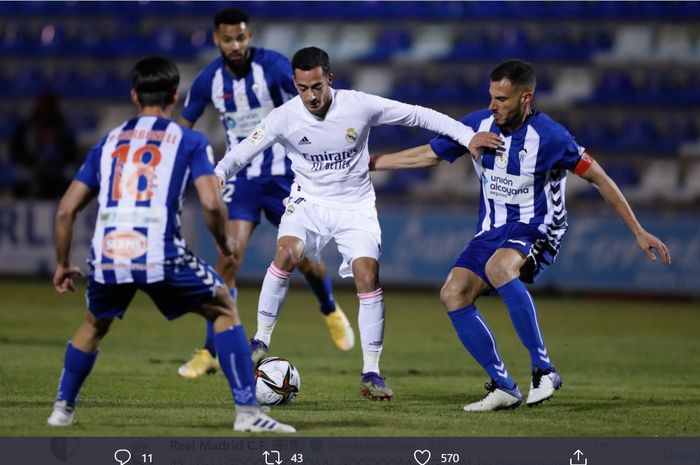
<point>255,420</point>
<point>496,399</point>
<point>62,414</point>
<point>542,386</point>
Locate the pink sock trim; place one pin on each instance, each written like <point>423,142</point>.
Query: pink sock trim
<point>276,272</point>
<point>369,295</point>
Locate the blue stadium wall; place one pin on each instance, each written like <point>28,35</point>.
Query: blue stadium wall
<point>598,254</point>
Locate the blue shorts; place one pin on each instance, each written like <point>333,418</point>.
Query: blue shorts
<point>518,236</point>
<point>247,198</point>
<point>186,288</point>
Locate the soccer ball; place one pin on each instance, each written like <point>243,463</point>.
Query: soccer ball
<point>277,381</point>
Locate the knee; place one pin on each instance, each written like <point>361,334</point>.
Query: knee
<point>455,296</point>
<point>366,273</point>
<point>95,328</point>
<point>450,295</point>
<point>367,283</point>
<point>286,257</point>
<point>499,274</point>
<point>233,261</point>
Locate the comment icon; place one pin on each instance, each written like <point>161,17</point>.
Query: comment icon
<point>122,456</point>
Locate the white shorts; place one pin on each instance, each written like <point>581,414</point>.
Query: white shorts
<point>356,233</point>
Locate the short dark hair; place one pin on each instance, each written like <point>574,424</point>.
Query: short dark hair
<point>155,80</point>
<point>230,16</point>
<point>309,58</point>
<point>519,72</point>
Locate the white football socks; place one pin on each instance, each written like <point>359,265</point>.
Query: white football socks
<point>272,295</point>
<point>370,320</point>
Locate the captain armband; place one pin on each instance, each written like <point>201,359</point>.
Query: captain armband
<point>583,164</point>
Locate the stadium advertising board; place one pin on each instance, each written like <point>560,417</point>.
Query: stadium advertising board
<point>418,248</point>
<point>597,254</point>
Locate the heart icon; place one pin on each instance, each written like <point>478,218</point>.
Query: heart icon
<point>421,456</point>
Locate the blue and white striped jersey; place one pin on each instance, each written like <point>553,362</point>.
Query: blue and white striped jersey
<point>243,103</point>
<point>526,182</point>
<point>140,170</point>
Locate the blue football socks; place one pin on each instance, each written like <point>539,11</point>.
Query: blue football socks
<point>476,337</point>
<point>324,292</point>
<point>209,343</point>
<point>234,358</point>
<point>76,367</point>
<point>524,316</point>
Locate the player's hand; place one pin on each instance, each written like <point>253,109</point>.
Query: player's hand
<point>222,182</point>
<point>648,242</point>
<point>484,140</point>
<point>63,278</point>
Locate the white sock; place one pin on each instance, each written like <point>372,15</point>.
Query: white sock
<point>370,320</point>
<point>272,295</point>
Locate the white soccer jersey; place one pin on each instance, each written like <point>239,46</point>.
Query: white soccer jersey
<point>329,155</point>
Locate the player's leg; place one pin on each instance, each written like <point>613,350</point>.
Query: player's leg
<point>358,237</point>
<point>243,203</point>
<point>297,236</point>
<point>338,323</point>
<point>463,286</point>
<point>204,361</point>
<point>197,288</point>
<point>228,267</point>
<point>503,270</point>
<point>234,354</point>
<point>274,291</point>
<point>370,320</point>
<point>275,196</point>
<point>104,303</point>
<point>319,283</point>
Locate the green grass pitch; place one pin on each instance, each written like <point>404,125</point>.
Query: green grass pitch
<point>629,369</point>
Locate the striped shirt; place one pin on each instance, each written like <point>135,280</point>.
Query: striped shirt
<point>526,182</point>
<point>140,170</point>
<point>243,103</point>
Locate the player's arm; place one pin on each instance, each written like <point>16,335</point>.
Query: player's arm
<point>196,101</point>
<point>393,112</point>
<point>591,171</point>
<point>424,156</point>
<point>238,156</point>
<point>74,200</point>
<point>214,210</point>
<point>415,157</point>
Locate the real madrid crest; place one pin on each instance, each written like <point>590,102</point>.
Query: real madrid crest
<point>290,209</point>
<point>351,135</point>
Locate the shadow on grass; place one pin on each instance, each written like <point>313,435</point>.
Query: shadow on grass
<point>4,340</point>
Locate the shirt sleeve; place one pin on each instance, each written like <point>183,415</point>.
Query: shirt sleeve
<point>448,149</point>
<point>202,159</point>
<point>286,78</point>
<point>238,156</point>
<point>388,111</point>
<point>567,149</point>
<point>197,98</point>
<point>89,172</point>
